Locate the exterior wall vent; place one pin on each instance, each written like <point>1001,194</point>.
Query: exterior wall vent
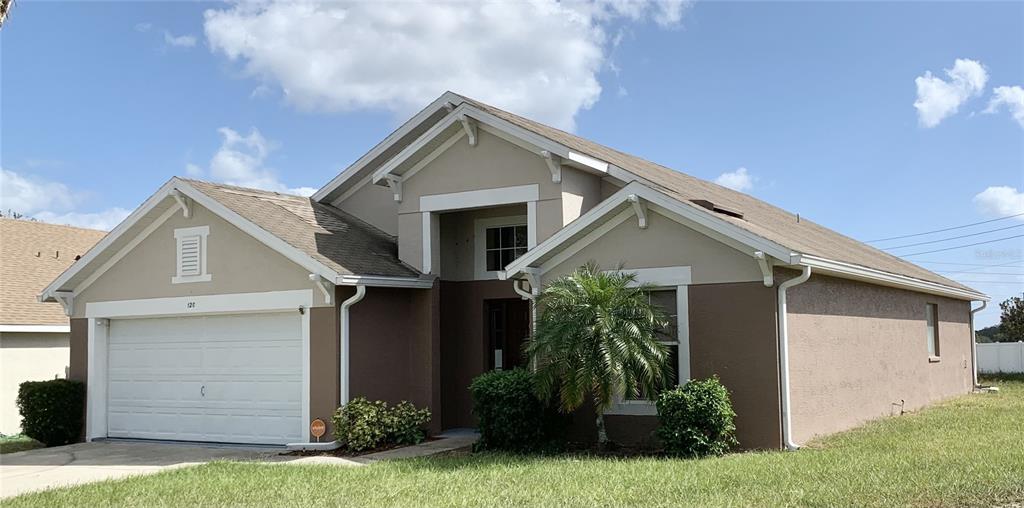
<point>717,209</point>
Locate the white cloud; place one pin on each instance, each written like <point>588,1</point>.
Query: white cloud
<point>180,41</point>
<point>938,98</point>
<point>1000,201</point>
<point>539,58</point>
<point>143,27</point>
<point>241,161</point>
<point>739,180</point>
<point>1010,97</point>
<point>53,202</point>
<point>105,220</point>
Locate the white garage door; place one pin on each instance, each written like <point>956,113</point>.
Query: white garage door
<point>223,378</point>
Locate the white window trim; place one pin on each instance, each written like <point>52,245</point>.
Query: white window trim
<point>480,227</point>
<point>669,277</point>
<point>99,314</point>
<point>204,276</point>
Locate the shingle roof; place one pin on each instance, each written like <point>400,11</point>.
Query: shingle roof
<point>32,254</point>
<point>338,240</point>
<point>759,217</point>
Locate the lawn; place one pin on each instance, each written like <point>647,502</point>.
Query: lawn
<point>19,443</point>
<point>968,451</point>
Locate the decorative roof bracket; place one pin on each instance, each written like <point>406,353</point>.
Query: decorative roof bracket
<point>184,201</point>
<point>395,182</point>
<point>766,268</point>
<point>66,300</point>
<point>640,208</point>
<point>469,125</point>
<point>554,163</point>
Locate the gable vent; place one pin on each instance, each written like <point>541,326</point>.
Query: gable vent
<point>190,251</point>
<point>703,203</point>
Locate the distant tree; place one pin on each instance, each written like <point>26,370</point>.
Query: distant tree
<point>991,334</point>
<point>11,214</point>
<point>1012,320</point>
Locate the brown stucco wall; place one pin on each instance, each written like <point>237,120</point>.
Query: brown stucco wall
<point>857,349</point>
<point>394,346</point>
<point>78,363</point>
<point>463,343</point>
<point>323,365</point>
<point>732,335</point>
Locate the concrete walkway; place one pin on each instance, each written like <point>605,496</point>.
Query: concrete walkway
<point>445,442</point>
<point>61,466</point>
<point>47,468</point>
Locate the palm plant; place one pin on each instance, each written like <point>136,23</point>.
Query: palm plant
<point>596,338</point>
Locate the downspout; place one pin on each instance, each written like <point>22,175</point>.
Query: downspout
<point>531,296</point>
<point>343,366</point>
<point>974,342</point>
<point>787,421</point>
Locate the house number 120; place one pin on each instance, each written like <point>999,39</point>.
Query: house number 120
<point>190,305</point>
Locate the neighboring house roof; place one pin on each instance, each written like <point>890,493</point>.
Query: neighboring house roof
<point>340,241</point>
<point>31,255</point>
<point>765,220</point>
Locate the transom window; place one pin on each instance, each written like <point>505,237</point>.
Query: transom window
<point>504,245</point>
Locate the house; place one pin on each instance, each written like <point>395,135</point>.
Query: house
<point>217,313</point>
<point>33,335</point>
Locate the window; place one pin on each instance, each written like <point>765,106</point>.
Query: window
<point>932,318</point>
<point>190,255</point>
<point>669,336</point>
<point>504,245</point>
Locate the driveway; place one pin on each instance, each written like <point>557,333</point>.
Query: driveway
<point>89,462</point>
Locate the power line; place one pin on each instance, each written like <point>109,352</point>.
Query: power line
<point>970,264</point>
<point>962,246</point>
<point>982,273</point>
<point>1021,282</point>
<point>945,229</point>
<point>954,237</point>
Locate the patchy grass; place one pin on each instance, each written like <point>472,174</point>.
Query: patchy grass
<point>968,451</point>
<point>18,443</point>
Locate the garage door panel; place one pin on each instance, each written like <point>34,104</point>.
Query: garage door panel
<point>230,378</point>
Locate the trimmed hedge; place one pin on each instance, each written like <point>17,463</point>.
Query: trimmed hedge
<point>365,425</point>
<point>52,411</point>
<point>510,415</point>
<point>697,419</point>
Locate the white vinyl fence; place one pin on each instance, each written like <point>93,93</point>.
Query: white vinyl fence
<point>1001,357</point>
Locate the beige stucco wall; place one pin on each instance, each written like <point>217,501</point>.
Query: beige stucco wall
<point>493,163</point>
<point>27,357</point>
<point>857,350</point>
<point>665,242</point>
<point>580,192</point>
<point>237,263</point>
<point>374,204</point>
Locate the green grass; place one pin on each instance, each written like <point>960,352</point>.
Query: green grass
<point>968,451</point>
<point>19,443</point>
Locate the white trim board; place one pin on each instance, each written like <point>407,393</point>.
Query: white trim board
<point>480,198</point>
<point>100,313</point>
<point>35,328</point>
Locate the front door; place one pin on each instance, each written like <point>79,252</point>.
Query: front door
<point>508,326</point>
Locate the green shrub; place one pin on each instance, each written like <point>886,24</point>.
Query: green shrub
<point>52,411</point>
<point>405,424</point>
<point>696,419</point>
<point>364,425</point>
<point>510,415</point>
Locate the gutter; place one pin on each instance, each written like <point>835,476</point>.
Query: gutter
<point>974,342</point>
<point>787,417</point>
<point>343,356</point>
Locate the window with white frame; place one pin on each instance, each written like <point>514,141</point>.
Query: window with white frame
<point>503,245</point>
<point>666,301</point>
<point>932,319</point>
<point>190,255</point>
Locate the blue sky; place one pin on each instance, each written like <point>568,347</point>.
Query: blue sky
<point>810,106</point>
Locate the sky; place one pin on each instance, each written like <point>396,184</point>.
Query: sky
<point>876,119</point>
